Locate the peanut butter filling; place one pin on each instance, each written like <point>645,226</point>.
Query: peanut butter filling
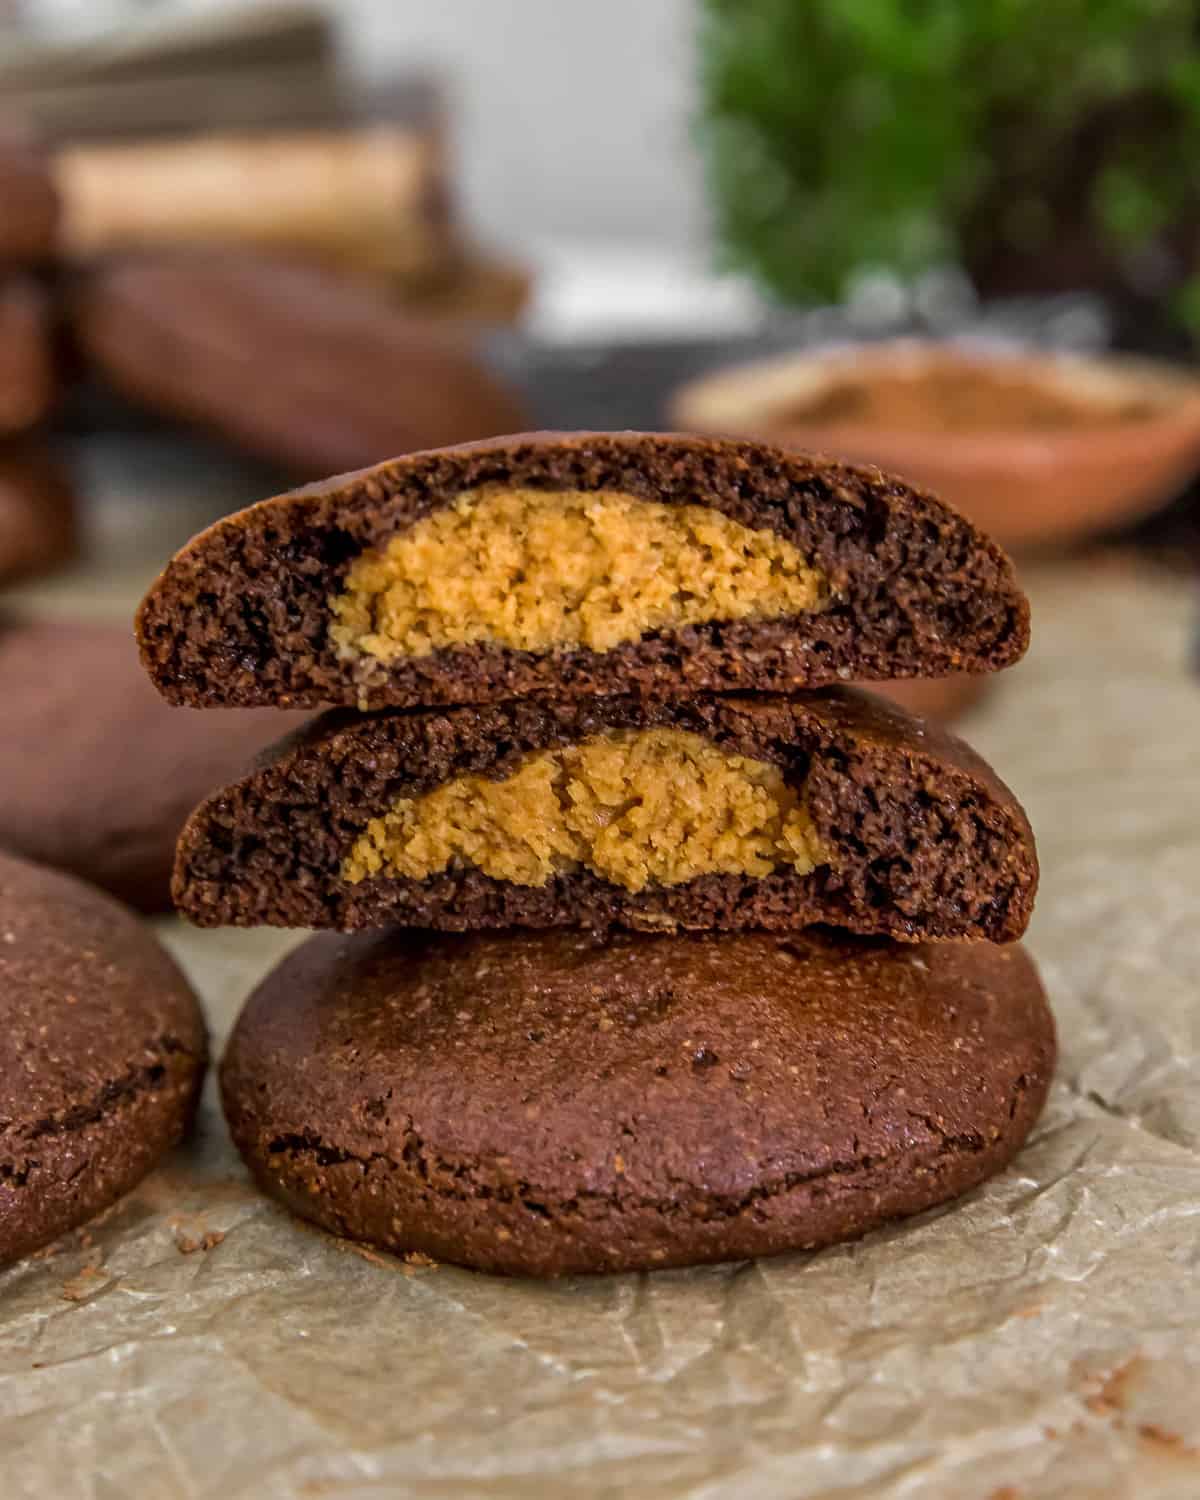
<point>540,569</point>
<point>636,807</point>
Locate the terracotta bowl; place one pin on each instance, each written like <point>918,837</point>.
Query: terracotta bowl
<point>1131,439</point>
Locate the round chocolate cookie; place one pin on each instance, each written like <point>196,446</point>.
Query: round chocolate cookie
<point>102,1053</point>
<point>97,774</point>
<point>552,1103</point>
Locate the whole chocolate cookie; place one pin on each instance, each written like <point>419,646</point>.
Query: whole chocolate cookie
<point>717,812</point>
<point>293,364</point>
<point>102,1053</point>
<point>576,565</point>
<point>97,773</point>
<point>28,378</point>
<point>38,512</point>
<point>551,1103</point>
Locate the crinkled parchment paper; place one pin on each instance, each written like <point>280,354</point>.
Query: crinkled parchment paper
<point>1039,1339</point>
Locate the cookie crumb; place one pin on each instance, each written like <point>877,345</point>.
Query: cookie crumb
<point>78,1288</point>
<point>209,1240</point>
<point>1161,1437</point>
<point>1112,1394</point>
<point>365,1253</point>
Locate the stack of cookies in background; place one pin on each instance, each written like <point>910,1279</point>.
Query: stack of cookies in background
<point>207,221</point>
<point>37,507</point>
<point>204,222</point>
<point>663,949</point>
<point>342,371</point>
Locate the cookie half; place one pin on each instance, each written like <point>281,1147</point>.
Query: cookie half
<point>576,565</point>
<point>102,1053</point>
<point>97,773</point>
<point>715,812</point>
<point>551,1103</point>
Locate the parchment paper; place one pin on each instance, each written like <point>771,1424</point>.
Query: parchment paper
<point>1039,1339</point>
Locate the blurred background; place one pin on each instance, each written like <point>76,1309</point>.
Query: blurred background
<point>246,245</point>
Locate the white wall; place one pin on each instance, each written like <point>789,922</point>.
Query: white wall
<point>573,116</point>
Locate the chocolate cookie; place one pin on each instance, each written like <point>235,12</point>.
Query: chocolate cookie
<point>714,812</point>
<point>290,363</point>
<point>28,203</point>
<point>560,1102</point>
<point>37,514</point>
<point>97,774</point>
<point>579,565</point>
<point>28,379</point>
<point>102,1053</point>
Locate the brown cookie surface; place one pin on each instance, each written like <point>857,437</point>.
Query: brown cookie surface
<point>714,812</point>
<point>28,378</point>
<point>97,774</point>
<point>287,362</point>
<point>102,1053</point>
<point>579,564</point>
<point>38,511</point>
<point>555,1103</point>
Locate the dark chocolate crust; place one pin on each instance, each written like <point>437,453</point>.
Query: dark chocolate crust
<point>294,364</point>
<point>556,1103</point>
<point>97,773</point>
<point>102,1053</point>
<point>240,615</point>
<point>926,841</point>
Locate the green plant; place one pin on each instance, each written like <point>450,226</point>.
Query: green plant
<point>1060,134</point>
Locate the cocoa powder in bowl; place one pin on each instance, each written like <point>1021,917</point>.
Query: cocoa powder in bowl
<point>960,396</point>
<point>1036,448</point>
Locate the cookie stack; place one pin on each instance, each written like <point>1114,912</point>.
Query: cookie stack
<point>664,949</point>
<point>37,505</point>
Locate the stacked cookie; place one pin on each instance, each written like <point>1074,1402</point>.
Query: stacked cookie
<point>674,952</point>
